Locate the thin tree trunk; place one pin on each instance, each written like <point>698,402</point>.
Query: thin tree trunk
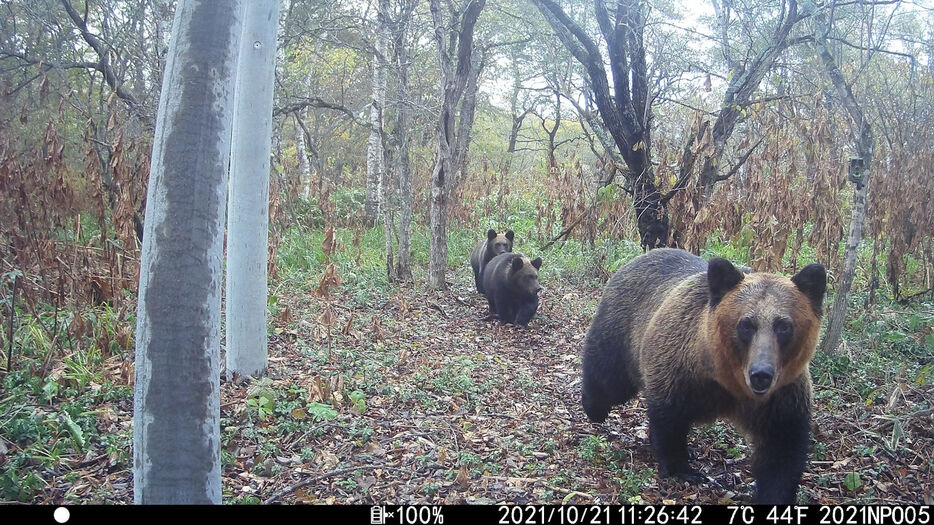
<point>517,116</point>
<point>403,171</point>
<point>304,164</point>
<point>388,215</point>
<point>845,283</point>
<point>450,150</point>
<point>375,165</point>
<point>176,418</point>
<point>304,167</point>
<point>873,275</point>
<point>552,135</point>
<point>862,133</point>
<point>385,206</point>
<point>248,220</point>
<point>438,220</point>
<point>400,133</point>
<point>468,112</point>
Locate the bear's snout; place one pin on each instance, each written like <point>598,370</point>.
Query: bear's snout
<point>760,377</point>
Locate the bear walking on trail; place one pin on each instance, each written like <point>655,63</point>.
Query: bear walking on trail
<point>484,252</point>
<point>512,287</point>
<point>704,340</point>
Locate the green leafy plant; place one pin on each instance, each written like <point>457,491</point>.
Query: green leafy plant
<point>261,405</point>
<point>358,399</point>
<point>852,481</point>
<point>322,411</point>
<point>592,447</point>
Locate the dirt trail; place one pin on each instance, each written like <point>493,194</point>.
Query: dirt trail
<point>462,410</point>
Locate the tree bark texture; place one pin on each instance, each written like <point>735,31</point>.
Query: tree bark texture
<point>385,207</point>
<point>452,138</point>
<point>400,133</point>
<point>176,433</point>
<point>304,167</point>
<point>248,204</point>
<point>375,165</point>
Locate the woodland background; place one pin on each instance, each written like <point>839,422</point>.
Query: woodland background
<point>726,128</point>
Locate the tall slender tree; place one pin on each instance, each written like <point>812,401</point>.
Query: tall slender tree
<point>248,204</point>
<point>176,419</point>
<point>458,81</point>
<point>401,135</point>
<point>864,143</point>
<point>375,165</point>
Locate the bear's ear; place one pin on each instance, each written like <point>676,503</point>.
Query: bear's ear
<point>722,276</point>
<point>490,235</point>
<point>812,281</point>
<point>537,263</point>
<point>510,235</point>
<point>517,264</point>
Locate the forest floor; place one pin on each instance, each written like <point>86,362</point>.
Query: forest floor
<point>416,397</point>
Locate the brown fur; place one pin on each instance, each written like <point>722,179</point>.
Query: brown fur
<point>714,345</point>
<point>672,324</point>
<point>483,253</point>
<point>512,287</point>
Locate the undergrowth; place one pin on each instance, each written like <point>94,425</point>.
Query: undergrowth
<point>66,387</point>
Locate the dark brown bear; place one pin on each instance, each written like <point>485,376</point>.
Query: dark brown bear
<point>485,251</point>
<point>512,287</point>
<point>704,340</point>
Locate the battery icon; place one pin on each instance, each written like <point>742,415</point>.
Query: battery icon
<point>377,516</point>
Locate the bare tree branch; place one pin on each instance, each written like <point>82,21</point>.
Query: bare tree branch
<point>315,102</point>
<point>103,53</point>
<point>742,160</point>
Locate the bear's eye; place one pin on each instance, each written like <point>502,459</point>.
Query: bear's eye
<point>783,330</point>
<point>746,329</point>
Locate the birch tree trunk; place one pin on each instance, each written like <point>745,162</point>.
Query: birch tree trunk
<point>303,146</point>
<point>248,207</point>
<point>176,417</point>
<point>864,142</point>
<point>375,166</point>
<point>304,167</point>
<point>449,153</point>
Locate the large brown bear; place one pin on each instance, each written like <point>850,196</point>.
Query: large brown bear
<point>704,340</point>
<point>512,287</point>
<point>484,252</point>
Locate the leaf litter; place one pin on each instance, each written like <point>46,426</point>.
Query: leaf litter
<point>417,397</point>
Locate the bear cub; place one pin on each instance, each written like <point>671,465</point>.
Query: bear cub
<point>512,287</point>
<point>484,252</point>
<point>704,340</point>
